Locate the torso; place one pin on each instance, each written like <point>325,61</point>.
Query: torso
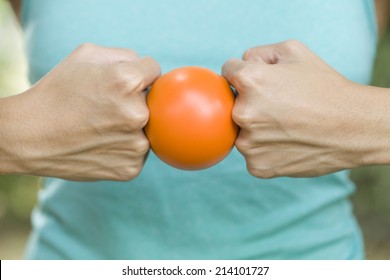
<point>221,212</point>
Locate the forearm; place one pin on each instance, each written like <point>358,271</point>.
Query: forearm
<point>88,129</point>
<point>9,158</point>
<point>374,135</point>
<point>300,118</point>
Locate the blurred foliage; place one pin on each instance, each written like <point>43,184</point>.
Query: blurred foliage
<point>12,63</point>
<point>17,198</point>
<point>18,193</point>
<point>373,193</point>
<point>372,198</point>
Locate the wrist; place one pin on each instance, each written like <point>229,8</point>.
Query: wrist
<point>373,140</point>
<point>10,153</point>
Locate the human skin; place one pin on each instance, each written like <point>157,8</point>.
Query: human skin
<point>339,139</point>
<point>299,117</point>
<point>83,121</point>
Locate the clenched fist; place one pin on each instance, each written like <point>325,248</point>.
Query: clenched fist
<point>84,120</point>
<point>299,117</point>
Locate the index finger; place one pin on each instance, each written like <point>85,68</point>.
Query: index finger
<point>230,69</point>
<point>283,52</point>
<point>238,73</point>
<point>144,72</point>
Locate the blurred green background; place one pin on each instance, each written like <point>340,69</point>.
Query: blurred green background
<point>18,193</point>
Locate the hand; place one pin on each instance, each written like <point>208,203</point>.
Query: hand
<point>296,114</point>
<point>84,120</point>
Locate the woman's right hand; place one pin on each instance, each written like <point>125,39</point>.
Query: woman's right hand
<point>83,121</point>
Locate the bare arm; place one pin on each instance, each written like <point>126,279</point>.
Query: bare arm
<point>83,121</point>
<point>301,118</point>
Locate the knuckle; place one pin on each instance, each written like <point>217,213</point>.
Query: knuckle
<point>242,117</point>
<point>293,45</point>
<point>134,118</point>
<point>140,117</point>
<point>261,172</point>
<point>247,54</point>
<point>129,173</point>
<point>227,64</point>
<point>86,46</point>
<point>244,77</point>
<point>243,145</point>
<point>84,49</point>
<point>141,145</point>
<point>130,53</point>
<point>127,80</point>
<point>135,80</point>
<point>258,163</point>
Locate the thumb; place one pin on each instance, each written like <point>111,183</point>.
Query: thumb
<point>283,52</point>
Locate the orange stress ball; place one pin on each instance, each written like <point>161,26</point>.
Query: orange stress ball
<point>190,125</point>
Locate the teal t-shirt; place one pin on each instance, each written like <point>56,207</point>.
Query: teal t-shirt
<point>221,212</point>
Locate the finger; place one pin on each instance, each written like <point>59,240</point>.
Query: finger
<point>122,54</point>
<point>276,53</point>
<point>231,71</point>
<point>148,69</point>
<point>139,74</point>
<point>99,54</point>
<point>242,75</point>
<point>265,54</point>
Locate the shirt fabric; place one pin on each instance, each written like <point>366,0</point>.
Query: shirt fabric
<point>218,213</point>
